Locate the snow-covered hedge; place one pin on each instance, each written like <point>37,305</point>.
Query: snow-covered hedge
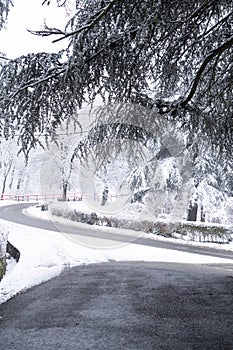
<point>185,230</point>
<point>3,244</point>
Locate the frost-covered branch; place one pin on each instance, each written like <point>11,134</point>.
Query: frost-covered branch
<point>87,27</point>
<point>102,135</point>
<point>35,82</point>
<point>55,31</point>
<point>172,57</point>
<point>216,52</point>
<point>47,31</point>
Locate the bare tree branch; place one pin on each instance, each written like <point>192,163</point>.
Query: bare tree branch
<point>47,31</point>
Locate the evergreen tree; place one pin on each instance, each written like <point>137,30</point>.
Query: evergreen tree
<point>173,57</point>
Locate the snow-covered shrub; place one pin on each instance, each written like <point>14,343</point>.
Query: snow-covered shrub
<point>183,230</point>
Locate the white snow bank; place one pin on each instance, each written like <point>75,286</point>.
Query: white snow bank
<point>44,254</point>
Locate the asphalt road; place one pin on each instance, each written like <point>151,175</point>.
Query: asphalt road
<point>123,306</point>
<point>130,306</point>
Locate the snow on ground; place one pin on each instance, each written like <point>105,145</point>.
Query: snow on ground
<point>44,254</point>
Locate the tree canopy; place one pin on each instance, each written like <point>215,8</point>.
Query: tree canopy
<point>173,57</point>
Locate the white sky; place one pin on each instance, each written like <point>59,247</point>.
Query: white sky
<point>30,14</point>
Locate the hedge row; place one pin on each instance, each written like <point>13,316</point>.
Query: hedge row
<point>187,231</point>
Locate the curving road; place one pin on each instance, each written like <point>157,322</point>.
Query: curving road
<point>90,236</point>
<point>130,306</point>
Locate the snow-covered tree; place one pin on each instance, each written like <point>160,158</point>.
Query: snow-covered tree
<point>157,60</point>
<point>213,186</point>
<point>59,172</point>
<point>174,57</point>
<point>10,166</point>
<point>57,167</point>
<point>4,11</point>
<point>17,177</point>
<point>134,162</point>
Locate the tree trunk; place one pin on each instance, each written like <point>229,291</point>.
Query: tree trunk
<point>4,180</point>
<point>192,212</point>
<point>64,191</point>
<point>202,214</point>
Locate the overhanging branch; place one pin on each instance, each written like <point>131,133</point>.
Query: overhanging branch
<point>216,52</point>
<point>90,25</point>
<point>33,83</point>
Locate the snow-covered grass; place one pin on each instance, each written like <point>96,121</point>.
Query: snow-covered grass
<point>44,254</point>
